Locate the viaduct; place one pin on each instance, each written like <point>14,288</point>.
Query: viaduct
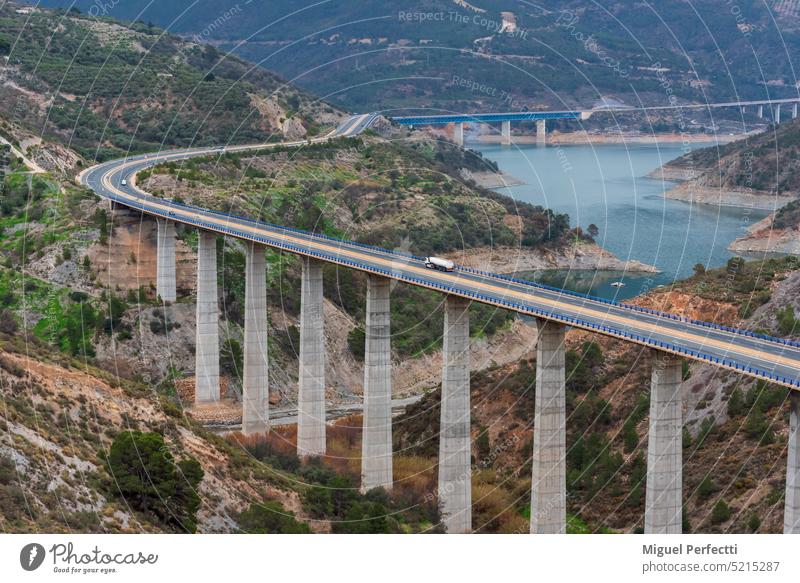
<point>670,337</point>
<point>541,117</point>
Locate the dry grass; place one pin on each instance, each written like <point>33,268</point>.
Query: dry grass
<point>494,503</point>
<point>344,447</point>
<point>415,478</point>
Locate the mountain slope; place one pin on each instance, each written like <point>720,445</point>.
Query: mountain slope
<point>490,54</point>
<point>105,89</point>
<point>759,171</point>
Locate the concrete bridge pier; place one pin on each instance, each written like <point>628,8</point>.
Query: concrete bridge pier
<point>505,133</point>
<point>548,485</point>
<point>663,509</point>
<point>207,333</point>
<point>376,444</point>
<point>255,385</point>
<point>311,394</point>
<point>794,110</point>
<point>791,510</point>
<point>760,113</point>
<point>455,470</point>
<point>776,114</point>
<point>541,132</point>
<point>165,261</point>
<point>458,133</point>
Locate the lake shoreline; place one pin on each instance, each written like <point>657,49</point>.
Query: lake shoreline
<point>617,189</point>
<point>583,256</point>
<point>583,138</point>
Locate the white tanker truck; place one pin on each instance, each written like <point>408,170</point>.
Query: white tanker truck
<point>439,263</point>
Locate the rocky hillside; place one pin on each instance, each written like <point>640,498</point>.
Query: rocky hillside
<point>76,442</point>
<point>105,88</point>
<point>777,233</point>
<point>760,171</point>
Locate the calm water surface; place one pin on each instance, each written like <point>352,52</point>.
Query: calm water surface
<point>607,185</point>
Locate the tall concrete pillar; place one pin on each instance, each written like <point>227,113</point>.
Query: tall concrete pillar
<point>376,444</point>
<point>760,112</point>
<point>505,137</point>
<point>664,463</point>
<point>207,333</point>
<point>794,110</point>
<point>311,395</point>
<point>458,134</point>
<point>776,114</point>
<point>165,261</point>
<point>549,483</point>
<point>541,132</point>
<point>255,379</point>
<point>791,510</point>
<point>455,470</point>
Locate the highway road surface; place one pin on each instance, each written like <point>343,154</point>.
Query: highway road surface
<point>755,356</point>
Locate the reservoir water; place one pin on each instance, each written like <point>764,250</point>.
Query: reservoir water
<point>606,185</point>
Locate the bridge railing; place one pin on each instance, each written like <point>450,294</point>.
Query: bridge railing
<point>526,283</point>
<point>501,302</point>
<point>631,307</point>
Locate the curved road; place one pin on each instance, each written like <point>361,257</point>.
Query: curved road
<point>748,354</point>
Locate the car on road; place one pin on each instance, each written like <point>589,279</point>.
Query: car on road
<point>439,263</point>
<point>124,182</point>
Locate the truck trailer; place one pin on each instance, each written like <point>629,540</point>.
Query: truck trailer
<point>439,263</point>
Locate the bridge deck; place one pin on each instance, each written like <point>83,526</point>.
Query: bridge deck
<point>426,120</point>
<point>745,352</point>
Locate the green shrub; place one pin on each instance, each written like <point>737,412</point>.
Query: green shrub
<point>736,403</point>
<point>721,512</point>
<point>357,341</point>
<point>787,323</point>
<point>270,518</point>
<point>630,436</point>
<point>706,488</point>
<point>148,478</point>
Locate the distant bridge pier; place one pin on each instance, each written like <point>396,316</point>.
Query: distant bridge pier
<point>541,132</point>
<point>505,133</point>
<point>791,510</point>
<point>458,133</point>
<point>376,444</point>
<point>548,485</point>
<point>760,113</point>
<point>455,473</point>
<point>776,114</point>
<point>255,385</point>
<point>207,332</point>
<point>311,393</point>
<point>663,507</point>
<point>165,261</point>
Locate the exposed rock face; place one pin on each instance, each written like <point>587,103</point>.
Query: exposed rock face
<point>276,117</point>
<point>128,261</point>
<point>721,196</point>
<point>55,157</point>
